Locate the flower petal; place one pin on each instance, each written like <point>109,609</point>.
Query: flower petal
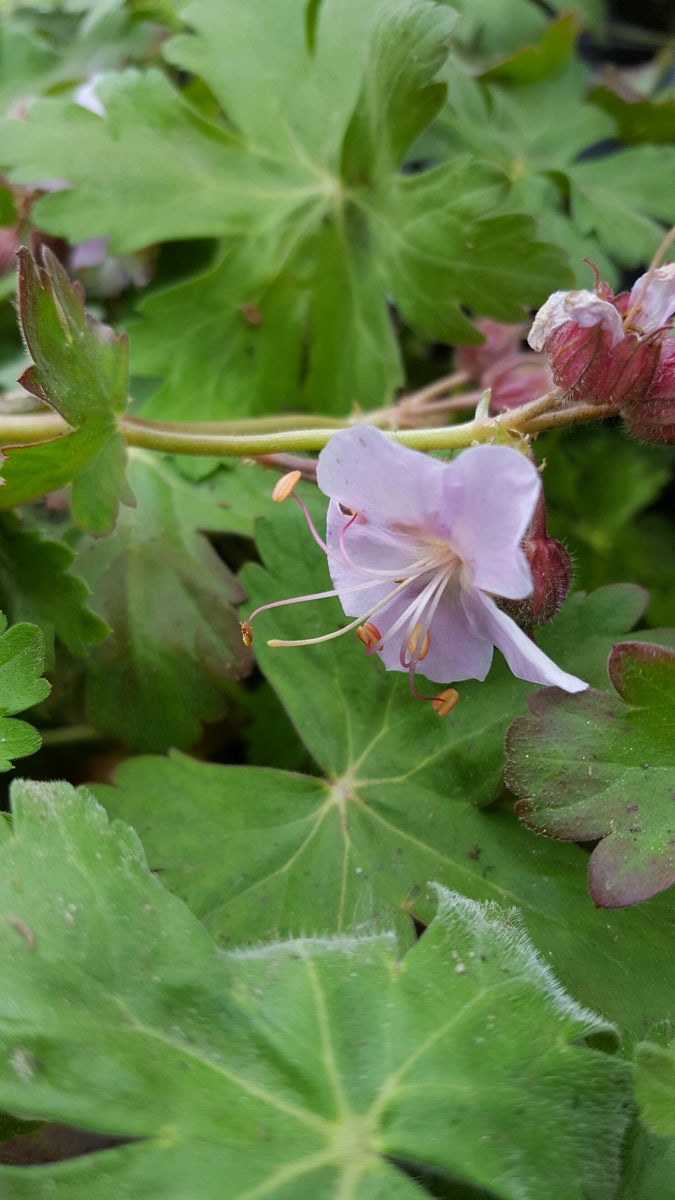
<point>582,307</point>
<point>371,547</point>
<point>655,295</point>
<point>456,650</point>
<point>489,497</point>
<point>524,657</point>
<point>385,482</point>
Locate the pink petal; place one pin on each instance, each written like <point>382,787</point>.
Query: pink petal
<point>524,657</point>
<point>582,307</point>
<point>655,294</point>
<point>456,650</point>
<point>383,481</point>
<point>372,547</point>
<point>488,500</point>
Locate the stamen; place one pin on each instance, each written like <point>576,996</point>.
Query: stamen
<point>370,635</point>
<point>336,633</point>
<point>419,642</point>
<point>285,486</point>
<point>445,701</point>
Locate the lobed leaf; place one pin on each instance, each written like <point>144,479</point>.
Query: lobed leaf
<point>80,370</point>
<point>36,584</point>
<point>300,182</point>
<point>169,600</point>
<point>316,1066</point>
<point>21,686</point>
<point>395,803</point>
<point>600,767</point>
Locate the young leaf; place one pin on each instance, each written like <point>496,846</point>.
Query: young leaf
<point>169,600</point>
<point>313,1067</point>
<point>37,585</point>
<point>395,806</point>
<point>320,232</point>
<point>599,766</point>
<point>21,686</point>
<point>80,370</point>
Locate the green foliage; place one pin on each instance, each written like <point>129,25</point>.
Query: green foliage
<point>608,209</point>
<point>306,1067</point>
<point>655,1086</point>
<point>339,1000</point>
<point>637,121</point>
<point>600,766</point>
<point>21,686</point>
<point>302,183</point>
<point>37,585</point>
<point>600,493</point>
<point>168,599</point>
<point>395,805</point>
<point>80,371</point>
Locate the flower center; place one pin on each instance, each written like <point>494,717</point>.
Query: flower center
<point>425,572</point>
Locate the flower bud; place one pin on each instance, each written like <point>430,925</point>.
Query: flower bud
<point>651,417</point>
<point>551,569</point>
<point>609,350</point>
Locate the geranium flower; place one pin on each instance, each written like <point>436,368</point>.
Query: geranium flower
<point>418,549</point>
<point>615,350</point>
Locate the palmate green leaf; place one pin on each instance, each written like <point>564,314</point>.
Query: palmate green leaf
<point>395,805</point>
<point>602,768</point>
<point>624,200</point>
<point>168,599</point>
<point>22,659</point>
<point>80,370</point>
<point>37,585</point>
<point>536,133</point>
<point>318,231</point>
<point>313,1067</point>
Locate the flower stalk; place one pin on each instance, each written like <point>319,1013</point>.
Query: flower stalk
<point>298,433</point>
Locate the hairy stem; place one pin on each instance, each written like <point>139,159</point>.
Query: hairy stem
<point>298,433</point>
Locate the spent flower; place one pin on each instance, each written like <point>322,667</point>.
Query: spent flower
<point>615,351</point>
<point>418,549</point>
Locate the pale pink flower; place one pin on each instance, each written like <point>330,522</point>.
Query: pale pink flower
<point>418,549</point>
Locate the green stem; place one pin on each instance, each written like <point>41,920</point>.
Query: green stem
<point>306,432</point>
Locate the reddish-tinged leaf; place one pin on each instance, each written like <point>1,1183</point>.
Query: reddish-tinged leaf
<point>602,766</point>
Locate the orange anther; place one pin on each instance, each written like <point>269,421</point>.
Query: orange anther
<point>246,632</point>
<point>445,701</point>
<point>285,486</point>
<point>419,642</point>
<point>370,635</point>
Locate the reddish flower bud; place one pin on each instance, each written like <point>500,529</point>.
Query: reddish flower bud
<point>551,569</point>
<point>651,418</point>
<point>609,350</point>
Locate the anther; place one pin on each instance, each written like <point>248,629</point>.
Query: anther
<point>370,635</point>
<point>347,512</point>
<point>285,487</point>
<point>445,701</point>
<point>246,632</point>
<point>419,642</point>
